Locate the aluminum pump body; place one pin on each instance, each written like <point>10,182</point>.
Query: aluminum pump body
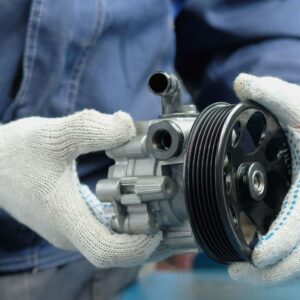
<point>145,185</point>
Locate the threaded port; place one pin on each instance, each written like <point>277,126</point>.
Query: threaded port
<point>162,140</point>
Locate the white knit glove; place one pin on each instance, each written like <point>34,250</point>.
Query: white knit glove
<point>39,185</point>
<point>276,258</point>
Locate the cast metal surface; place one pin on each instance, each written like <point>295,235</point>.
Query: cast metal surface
<point>197,177</point>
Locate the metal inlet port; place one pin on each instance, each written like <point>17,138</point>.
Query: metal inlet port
<point>167,86</point>
<point>162,84</point>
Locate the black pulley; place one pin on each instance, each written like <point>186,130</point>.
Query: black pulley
<point>237,173</point>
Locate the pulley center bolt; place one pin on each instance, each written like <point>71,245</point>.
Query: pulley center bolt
<point>254,178</point>
<point>258,182</point>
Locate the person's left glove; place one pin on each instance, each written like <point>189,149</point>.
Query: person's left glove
<point>39,185</point>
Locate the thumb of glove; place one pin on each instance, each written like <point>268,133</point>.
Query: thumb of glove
<point>280,97</point>
<point>89,131</point>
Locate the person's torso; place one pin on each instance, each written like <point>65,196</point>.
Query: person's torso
<point>59,57</point>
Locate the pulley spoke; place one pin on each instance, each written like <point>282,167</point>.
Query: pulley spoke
<point>260,214</point>
<point>236,155</point>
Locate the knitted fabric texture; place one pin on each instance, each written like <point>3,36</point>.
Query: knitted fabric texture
<point>40,187</point>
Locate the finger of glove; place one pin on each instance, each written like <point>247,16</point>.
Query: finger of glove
<point>89,131</point>
<point>283,234</point>
<point>280,97</point>
<point>286,269</point>
<point>106,250</point>
<point>94,240</point>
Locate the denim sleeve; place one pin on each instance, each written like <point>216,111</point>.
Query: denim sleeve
<point>215,43</point>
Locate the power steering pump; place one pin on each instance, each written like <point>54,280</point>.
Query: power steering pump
<point>213,180</point>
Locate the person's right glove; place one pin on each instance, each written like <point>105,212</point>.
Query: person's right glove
<point>276,258</point>
<point>39,185</point>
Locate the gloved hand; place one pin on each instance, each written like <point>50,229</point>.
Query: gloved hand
<point>39,185</point>
<point>276,257</point>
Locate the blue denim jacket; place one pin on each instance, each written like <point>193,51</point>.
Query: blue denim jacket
<point>60,56</point>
